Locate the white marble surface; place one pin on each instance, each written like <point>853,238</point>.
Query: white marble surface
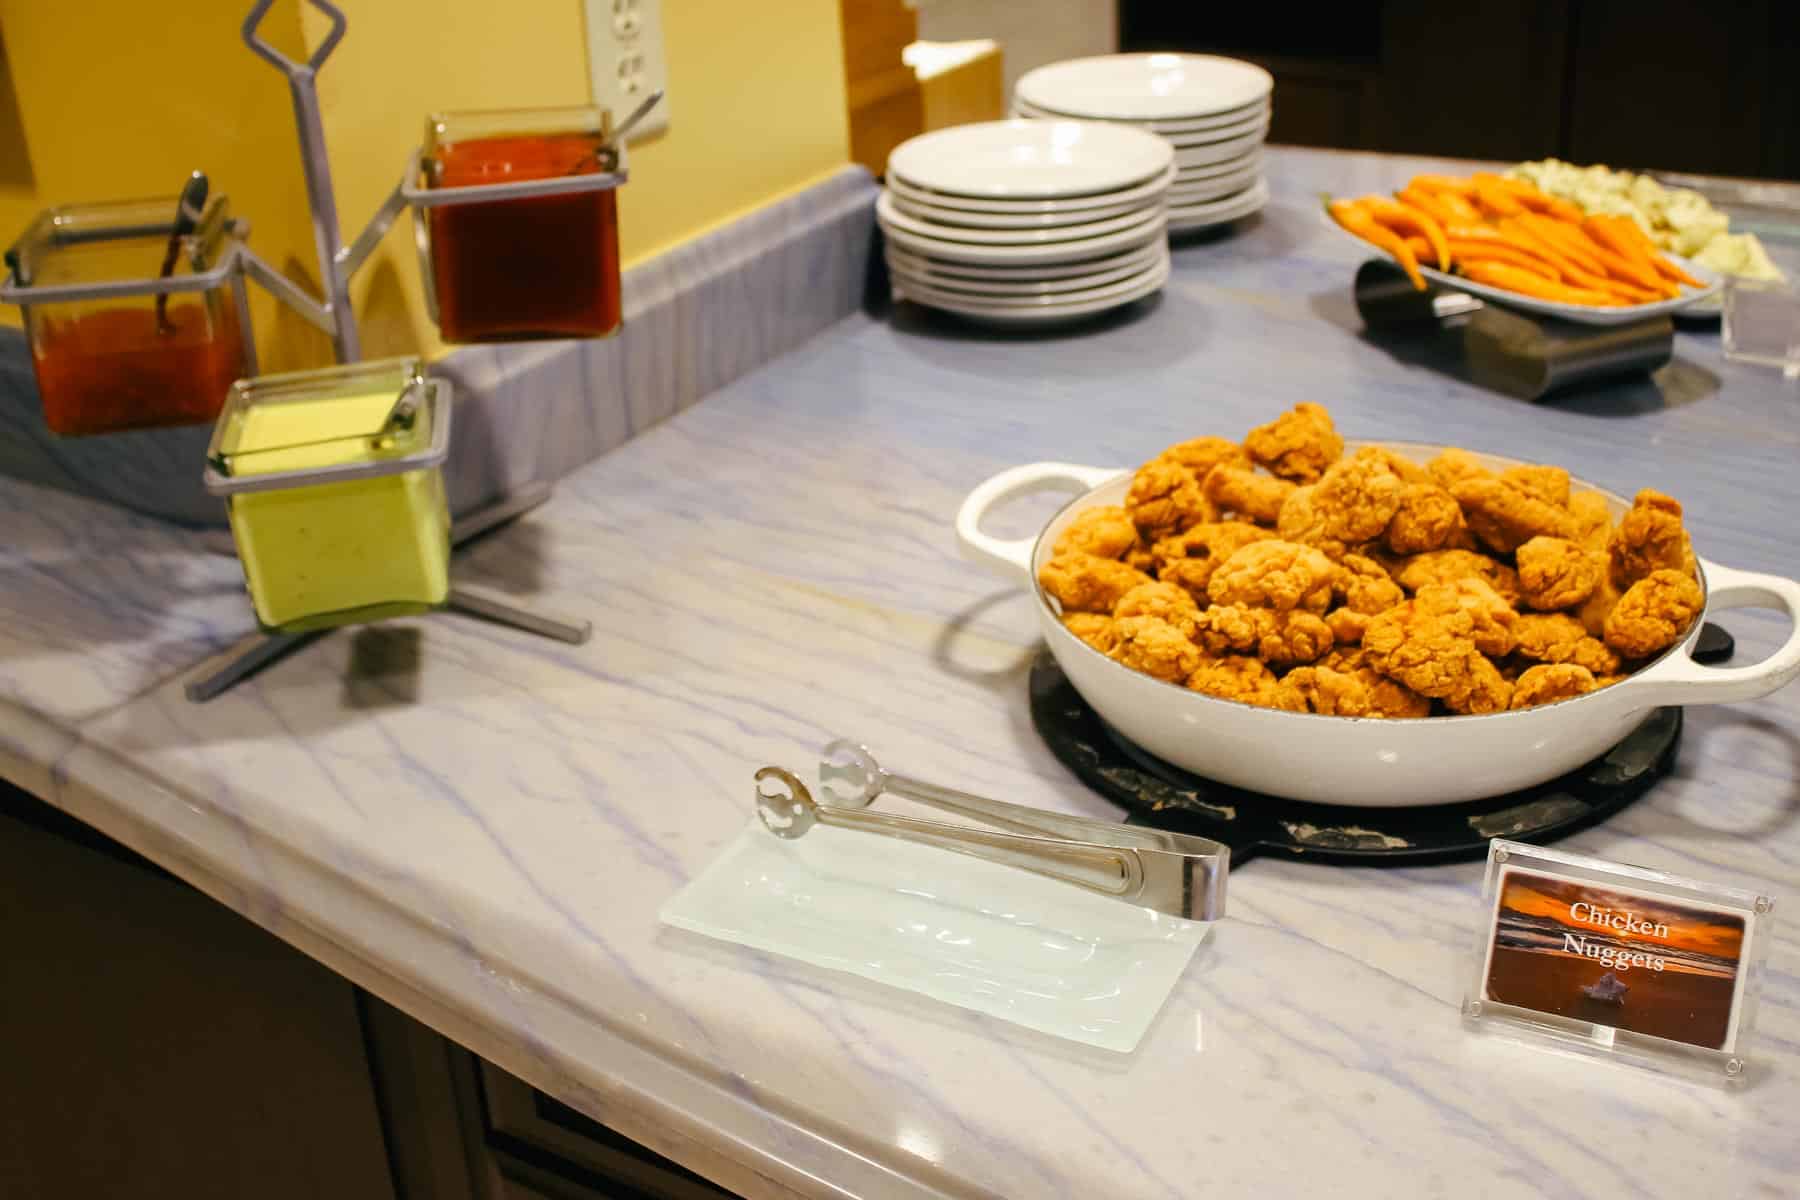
<point>481,826</point>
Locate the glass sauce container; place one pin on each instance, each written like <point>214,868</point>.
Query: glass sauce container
<point>105,358</point>
<point>335,490</point>
<point>513,262</point>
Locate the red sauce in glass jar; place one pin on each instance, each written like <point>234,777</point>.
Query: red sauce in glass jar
<point>544,267</point>
<point>114,369</point>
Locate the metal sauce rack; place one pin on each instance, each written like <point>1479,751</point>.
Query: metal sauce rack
<point>333,315</point>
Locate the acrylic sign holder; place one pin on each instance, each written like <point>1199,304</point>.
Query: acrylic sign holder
<point>338,263</point>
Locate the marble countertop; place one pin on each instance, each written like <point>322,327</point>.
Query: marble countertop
<point>481,826</point>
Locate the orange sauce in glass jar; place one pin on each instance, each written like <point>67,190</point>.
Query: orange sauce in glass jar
<point>114,369</point>
<point>536,267</point>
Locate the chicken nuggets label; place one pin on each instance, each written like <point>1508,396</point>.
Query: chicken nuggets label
<point>1618,959</point>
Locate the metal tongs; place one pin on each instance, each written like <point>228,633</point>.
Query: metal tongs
<point>1173,873</point>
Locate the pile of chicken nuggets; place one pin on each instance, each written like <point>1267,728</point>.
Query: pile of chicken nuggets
<point>1281,573</point>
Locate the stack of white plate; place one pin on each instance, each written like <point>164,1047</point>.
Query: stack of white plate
<point>1213,111</point>
<point>1026,222</point>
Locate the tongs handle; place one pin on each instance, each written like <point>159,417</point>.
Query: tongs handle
<point>1109,870</point>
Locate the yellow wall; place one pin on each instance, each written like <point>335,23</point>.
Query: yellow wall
<point>757,97</point>
<point>118,99</point>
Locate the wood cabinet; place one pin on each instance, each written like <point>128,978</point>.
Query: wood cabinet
<point>154,1044</point>
<point>1665,84</point>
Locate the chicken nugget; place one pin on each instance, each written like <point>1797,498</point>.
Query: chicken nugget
<point>1447,566</point>
<point>1560,638</point>
<point>1549,484</point>
<point>1357,497</point>
<point>1554,573</point>
<point>1164,600</point>
<point>1490,619</point>
<point>1105,531</point>
<point>1547,683</point>
<point>1087,582</point>
<point>1234,490</point>
<point>1347,625</point>
<point>1654,613</point>
<point>1165,498</point>
<point>1364,585</point>
<point>1280,638</point>
<point>1593,520</point>
<point>1297,445</point>
<point>1333,693</point>
<point>1246,680</point>
<point>1356,692</point>
<point>1427,518</point>
<point>1299,521</point>
<point>1430,649</point>
<point>1504,517</point>
<point>1155,647</point>
<point>1188,559</point>
<point>1275,574</point>
<point>1453,465</point>
<point>1200,455</point>
<point>1096,629</point>
<point>1650,537</point>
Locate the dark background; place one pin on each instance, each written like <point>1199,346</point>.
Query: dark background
<point>1674,85</point>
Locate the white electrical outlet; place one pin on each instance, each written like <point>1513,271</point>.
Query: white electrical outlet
<point>625,59</point>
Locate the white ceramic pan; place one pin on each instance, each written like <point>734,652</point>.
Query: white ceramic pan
<point>1363,761</point>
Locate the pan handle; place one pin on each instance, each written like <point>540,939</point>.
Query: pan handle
<point>1678,679</point>
<point>1013,558</point>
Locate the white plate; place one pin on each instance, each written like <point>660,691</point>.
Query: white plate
<point>1070,204</point>
<point>1047,252</point>
<point>890,216</point>
<point>1259,129</point>
<point>1171,129</point>
<point>1146,87</point>
<point>1066,288</point>
<point>1136,258</point>
<point>1030,159</point>
<point>1583,314</point>
<point>1217,153</point>
<point>1217,188</point>
<point>1023,280</point>
<point>1059,314</point>
<point>1190,217</point>
<point>1007,943</point>
<point>904,202</point>
<point>1121,292</point>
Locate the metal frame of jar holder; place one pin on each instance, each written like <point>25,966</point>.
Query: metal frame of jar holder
<point>338,263</point>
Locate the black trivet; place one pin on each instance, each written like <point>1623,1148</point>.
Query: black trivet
<point>1165,796</point>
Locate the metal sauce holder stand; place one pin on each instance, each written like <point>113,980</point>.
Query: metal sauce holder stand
<point>1520,355</point>
<point>338,264</point>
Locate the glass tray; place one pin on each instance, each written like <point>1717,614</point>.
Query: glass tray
<point>1004,942</point>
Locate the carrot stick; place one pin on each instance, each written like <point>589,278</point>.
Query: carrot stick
<point>1462,251</point>
<point>1353,218</point>
<point>1419,246</point>
<point>1517,279</point>
<point>1535,198</point>
<point>1623,257</point>
<point>1496,201</point>
<point>1444,183</point>
<point>1404,220</point>
<point>1428,201</point>
<point>1527,240</point>
<point>1564,238</point>
<point>1668,270</point>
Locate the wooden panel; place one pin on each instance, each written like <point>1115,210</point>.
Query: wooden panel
<point>1475,79</point>
<point>973,91</point>
<point>1671,84</point>
<point>158,1045</point>
<point>885,104</point>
